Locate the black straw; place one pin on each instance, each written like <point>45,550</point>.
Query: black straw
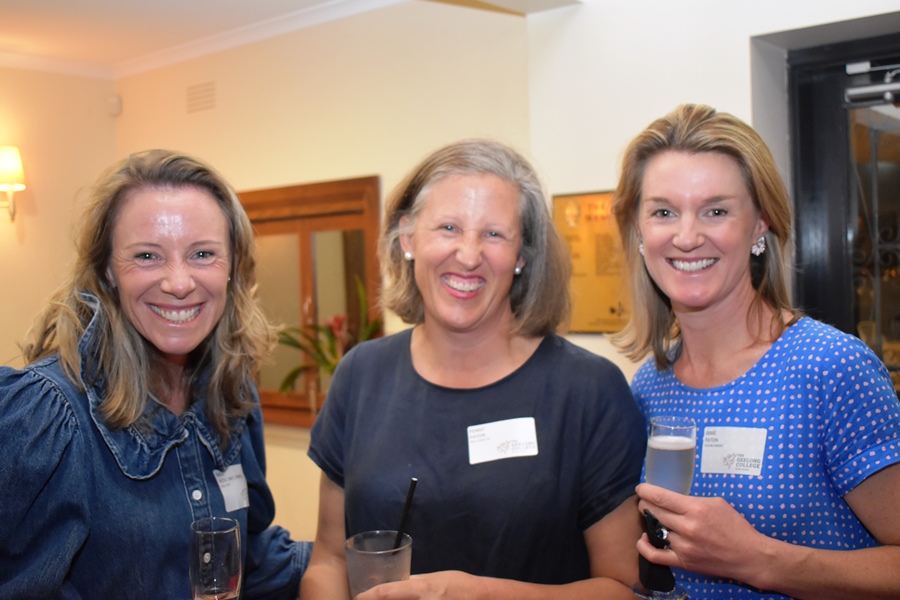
<point>409,496</point>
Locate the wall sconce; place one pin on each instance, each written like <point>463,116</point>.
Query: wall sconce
<point>12,178</point>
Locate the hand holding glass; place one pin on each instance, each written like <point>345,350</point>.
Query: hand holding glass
<point>215,565</point>
<point>669,464</point>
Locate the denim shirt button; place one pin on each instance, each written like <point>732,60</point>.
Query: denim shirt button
<point>197,495</point>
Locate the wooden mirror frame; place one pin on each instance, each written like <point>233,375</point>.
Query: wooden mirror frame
<point>356,201</point>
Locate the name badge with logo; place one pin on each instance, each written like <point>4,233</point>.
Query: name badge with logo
<point>502,439</point>
<point>233,485</point>
<point>738,450</point>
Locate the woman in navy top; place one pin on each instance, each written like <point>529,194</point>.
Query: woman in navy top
<point>526,448</point>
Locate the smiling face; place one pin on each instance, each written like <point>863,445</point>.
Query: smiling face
<point>465,242</point>
<point>697,222</point>
<point>170,262</point>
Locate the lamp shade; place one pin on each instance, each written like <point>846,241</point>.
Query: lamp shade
<point>12,178</point>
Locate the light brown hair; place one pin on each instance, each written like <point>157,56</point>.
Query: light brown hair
<point>226,361</point>
<point>539,297</point>
<point>694,129</point>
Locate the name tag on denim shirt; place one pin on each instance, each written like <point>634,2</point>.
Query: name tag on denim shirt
<point>233,486</point>
<point>502,439</point>
<point>738,450</point>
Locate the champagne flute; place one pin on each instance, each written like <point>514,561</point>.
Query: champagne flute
<point>669,464</point>
<point>215,564</point>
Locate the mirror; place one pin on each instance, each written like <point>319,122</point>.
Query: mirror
<point>316,246</point>
<point>278,276</point>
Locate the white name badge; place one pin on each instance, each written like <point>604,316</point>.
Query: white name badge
<point>502,439</point>
<point>233,485</point>
<point>738,450</point>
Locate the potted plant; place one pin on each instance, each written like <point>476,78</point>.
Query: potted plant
<point>327,343</point>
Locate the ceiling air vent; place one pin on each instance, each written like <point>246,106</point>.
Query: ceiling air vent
<point>201,96</point>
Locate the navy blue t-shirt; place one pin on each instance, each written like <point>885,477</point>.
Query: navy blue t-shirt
<point>514,518</point>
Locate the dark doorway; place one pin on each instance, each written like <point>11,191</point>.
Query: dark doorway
<point>824,178</point>
<point>837,152</point>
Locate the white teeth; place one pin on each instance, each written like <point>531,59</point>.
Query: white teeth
<point>692,265</point>
<point>177,316</point>
<point>463,285</point>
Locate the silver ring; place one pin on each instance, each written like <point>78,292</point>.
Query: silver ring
<point>663,533</point>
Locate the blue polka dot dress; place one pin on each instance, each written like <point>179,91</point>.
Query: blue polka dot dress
<point>785,442</point>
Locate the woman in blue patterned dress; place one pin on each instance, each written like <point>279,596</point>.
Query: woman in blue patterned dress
<point>796,481</point>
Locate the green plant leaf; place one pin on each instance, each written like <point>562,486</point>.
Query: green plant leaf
<point>290,380</point>
<point>319,342</point>
<point>287,339</point>
<point>367,329</point>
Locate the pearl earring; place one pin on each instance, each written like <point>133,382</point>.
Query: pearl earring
<point>641,247</point>
<point>408,255</point>
<point>517,270</point>
<point>759,247</point>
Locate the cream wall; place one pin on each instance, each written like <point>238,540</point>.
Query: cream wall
<point>65,133</point>
<point>369,95</point>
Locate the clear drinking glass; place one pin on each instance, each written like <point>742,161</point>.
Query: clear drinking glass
<point>374,557</point>
<point>669,464</point>
<point>215,564</point>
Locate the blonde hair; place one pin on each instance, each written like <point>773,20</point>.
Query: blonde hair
<point>539,297</point>
<point>693,129</point>
<point>224,364</point>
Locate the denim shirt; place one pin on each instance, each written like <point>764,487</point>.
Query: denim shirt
<point>94,513</point>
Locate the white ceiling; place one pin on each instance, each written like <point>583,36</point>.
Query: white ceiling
<point>112,38</point>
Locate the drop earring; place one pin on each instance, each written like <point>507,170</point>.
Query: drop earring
<point>759,247</point>
<point>641,247</point>
<point>408,255</point>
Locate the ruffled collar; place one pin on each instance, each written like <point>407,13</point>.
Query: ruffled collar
<point>141,448</point>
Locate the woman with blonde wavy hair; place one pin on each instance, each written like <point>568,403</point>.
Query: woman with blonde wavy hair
<point>138,409</point>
